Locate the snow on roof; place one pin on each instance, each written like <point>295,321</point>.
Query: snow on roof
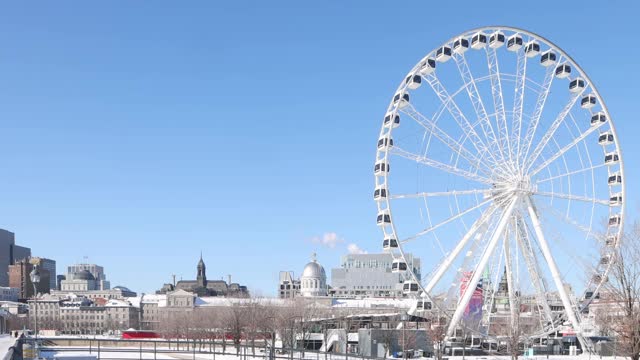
<point>160,299</point>
<point>221,301</point>
<point>117,303</point>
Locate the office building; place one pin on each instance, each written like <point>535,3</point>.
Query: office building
<point>50,266</point>
<point>369,275</point>
<point>9,254</point>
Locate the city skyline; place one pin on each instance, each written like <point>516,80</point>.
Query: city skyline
<point>140,138</point>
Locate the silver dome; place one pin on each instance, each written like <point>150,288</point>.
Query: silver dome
<point>83,275</point>
<point>313,270</point>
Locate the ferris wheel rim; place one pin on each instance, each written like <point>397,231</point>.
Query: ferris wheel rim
<point>611,126</point>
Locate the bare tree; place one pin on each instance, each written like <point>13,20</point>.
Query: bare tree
<point>623,293</point>
<point>437,332</point>
<point>236,323</point>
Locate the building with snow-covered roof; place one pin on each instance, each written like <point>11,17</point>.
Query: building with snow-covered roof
<point>205,287</point>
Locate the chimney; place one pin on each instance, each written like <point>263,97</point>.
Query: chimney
<point>229,279</point>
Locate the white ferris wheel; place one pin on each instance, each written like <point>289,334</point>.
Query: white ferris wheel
<point>499,166</point>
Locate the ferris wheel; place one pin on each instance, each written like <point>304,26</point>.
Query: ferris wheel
<point>498,165</point>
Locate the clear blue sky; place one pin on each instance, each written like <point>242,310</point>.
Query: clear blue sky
<point>141,133</point>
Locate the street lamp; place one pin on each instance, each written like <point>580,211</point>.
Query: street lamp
<point>404,317</point>
<point>35,280</point>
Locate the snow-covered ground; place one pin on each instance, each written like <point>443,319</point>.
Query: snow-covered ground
<point>6,342</point>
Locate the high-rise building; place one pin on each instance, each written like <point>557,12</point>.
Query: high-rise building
<point>19,277</point>
<point>95,270</point>
<point>9,254</point>
<point>49,265</point>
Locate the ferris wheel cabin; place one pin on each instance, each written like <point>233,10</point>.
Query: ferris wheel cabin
<point>563,71</point>
<point>576,85</point>
<point>531,49</point>
<point>615,220</point>
<point>605,138</point>
<point>478,41</point>
<point>598,118</point>
<point>410,287</point>
<point>605,259</point>
<point>413,81</point>
<point>398,266</point>
<point>460,45</point>
<point>514,43</point>
<point>588,101</point>
<point>392,120</point>
<point>384,218</point>
<point>389,243</point>
<point>611,240</point>
<point>616,199</point>
<point>496,40</point>
<point>402,100</point>
<point>423,305</point>
<point>611,158</point>
<point>427,66</point>
<point>548,58</point>
<point>381,168</point>
<point>443,54</point>
<point>385,143</point>
<point>615,179</point>
<point>380,193</point>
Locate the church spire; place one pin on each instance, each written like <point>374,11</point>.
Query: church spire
<point>202,272</point>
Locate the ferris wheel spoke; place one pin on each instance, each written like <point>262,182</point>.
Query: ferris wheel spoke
<point>439,165</point>
<point>446,263</point>
<point>566,148</point>
<point>537,113</point>
<point>518,102</point>
<point>461,120</point>
<point>551,263</point>
<point>475,98</point>
<point>569,221</point>
<point>572,197</point>
<point>524,243</point>
<point>552,129</point>
<point>441,193</point>
<point>570,173</point>
<point>452,218</point>
<point>498,104</point>
<point>480,266</point>
<point>451,143</point>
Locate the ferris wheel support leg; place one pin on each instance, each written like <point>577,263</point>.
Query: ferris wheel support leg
<point>477,273</point>
<point>510,285</point>
<point>532,267</point>
<point>555,274</point>
<point>456,251</point>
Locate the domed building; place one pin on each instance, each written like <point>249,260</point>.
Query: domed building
<point>313,281</point>
<point>82,280</point>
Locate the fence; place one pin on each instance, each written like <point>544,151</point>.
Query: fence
<point>183,349</point>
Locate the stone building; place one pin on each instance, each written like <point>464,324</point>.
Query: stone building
<point>101,282</point>
<point>313,281</point>
<point>204,287</point>
<point>81,316</point>
<point>118,292</point>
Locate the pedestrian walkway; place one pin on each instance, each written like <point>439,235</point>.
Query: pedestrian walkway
<point>6,341</point>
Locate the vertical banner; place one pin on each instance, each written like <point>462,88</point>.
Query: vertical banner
<point>473,311</point>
